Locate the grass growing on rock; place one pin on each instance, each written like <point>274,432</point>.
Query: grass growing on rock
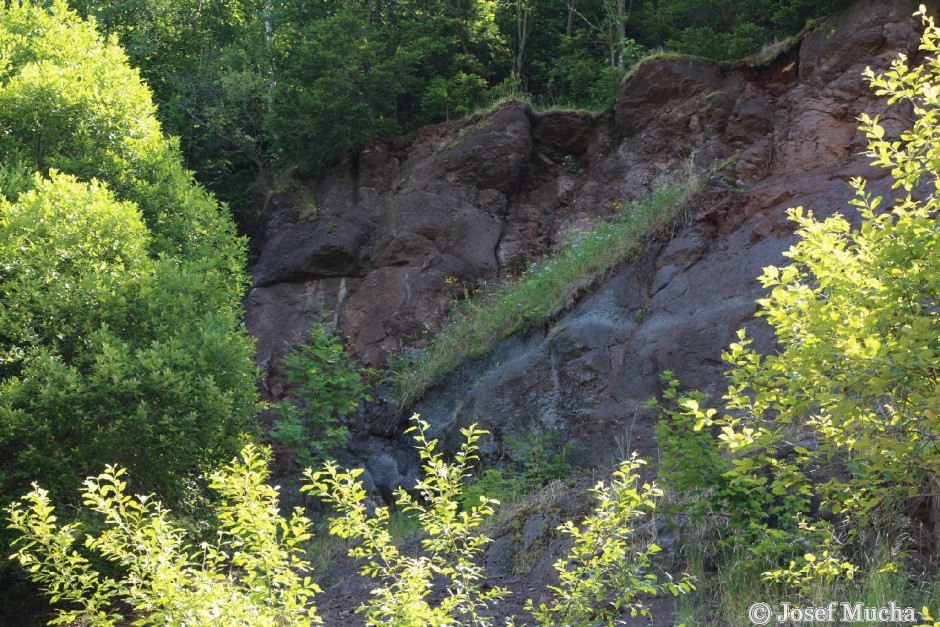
<point>482,321</point>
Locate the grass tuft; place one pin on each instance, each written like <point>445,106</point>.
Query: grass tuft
<point>482,321</point>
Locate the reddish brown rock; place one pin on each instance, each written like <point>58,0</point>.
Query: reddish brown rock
<point>412,224</point>
<point>493,154</point>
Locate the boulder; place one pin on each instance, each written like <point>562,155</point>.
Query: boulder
<point>315,250</point>
<point>493,154</point>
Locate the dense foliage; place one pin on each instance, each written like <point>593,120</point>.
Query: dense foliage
<point>287,85</point>
<point>120,278</point>
<point>167,580</point>
<point>452,548</point>
<point>604,574</point>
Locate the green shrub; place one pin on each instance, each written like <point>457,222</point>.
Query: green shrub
<point>536,462</point>
<point>742,41</point>
<point>692,462</point>
<point>327,388</point>
<point>576,80</point>
<point>251,575</point>
<point>69,101</point>
<point>453,541</point>
<point>604,575</point>
<point>108,353</point>
<point>855,375</point>
<point>453,98</point>
<point>67,250</point>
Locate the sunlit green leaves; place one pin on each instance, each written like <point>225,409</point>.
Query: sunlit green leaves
<point>607,572</point>
<point>326,389</point>
<point>451,547</point>
<point>120,279</point>
<point>254,573</point>
<point>67,250</point>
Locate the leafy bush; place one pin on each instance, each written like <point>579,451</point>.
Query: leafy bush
<point>251,575</point>
<point>578,80</point>
<point>449,550</point>
<point>535,462</point>
<point>69,101</point>
<point>453,98</point>
<point>692,461</point>
<point>327,389</point>
<point>67,249</point>
<point>604,574</point>
<point>108,353</point>
<point>742,41</point>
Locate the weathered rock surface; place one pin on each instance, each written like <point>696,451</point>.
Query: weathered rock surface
<point>414,223</point>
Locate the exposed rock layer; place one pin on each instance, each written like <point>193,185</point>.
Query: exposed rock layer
<point>412,224</point>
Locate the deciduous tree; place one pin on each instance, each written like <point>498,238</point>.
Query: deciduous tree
<point>120,278</point>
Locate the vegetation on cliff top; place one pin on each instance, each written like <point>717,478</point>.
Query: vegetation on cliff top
<point>119,283</point>
<point>260,86</point>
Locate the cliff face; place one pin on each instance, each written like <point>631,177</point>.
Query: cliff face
<point>477,200</point>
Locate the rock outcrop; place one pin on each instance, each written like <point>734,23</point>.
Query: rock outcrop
<point>412,224</point>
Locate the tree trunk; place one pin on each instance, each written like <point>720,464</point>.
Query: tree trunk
<point>621,30</point>
<point>524,10</point>
<point>269,45</point>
